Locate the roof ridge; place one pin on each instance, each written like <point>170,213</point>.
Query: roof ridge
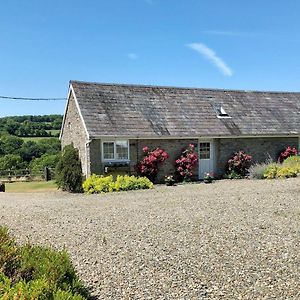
<point>181,88</point>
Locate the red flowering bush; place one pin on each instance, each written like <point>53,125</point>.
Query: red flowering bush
<point>289,151</point>
<point>148,166</point>
<point>239,164</point>
<point>185,163</point>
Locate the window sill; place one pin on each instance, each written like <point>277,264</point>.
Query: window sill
<point>116,162</point>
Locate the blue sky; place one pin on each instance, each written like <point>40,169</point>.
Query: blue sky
<point>252,45</point>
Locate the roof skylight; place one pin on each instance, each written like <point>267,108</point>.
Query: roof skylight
<point>221,112</point>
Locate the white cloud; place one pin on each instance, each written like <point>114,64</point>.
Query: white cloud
<point>133,56</point>
<point>212,57</point>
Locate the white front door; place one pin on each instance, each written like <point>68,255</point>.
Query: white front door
<point>206,155</point>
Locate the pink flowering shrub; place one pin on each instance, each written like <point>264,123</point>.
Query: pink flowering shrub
<point>239,164</point>
<point>148,166</point>
<point>185,164</point>
<point>289,151</point>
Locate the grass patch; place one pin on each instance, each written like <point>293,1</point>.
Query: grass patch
<point>37,138</point>
<point>31,187</point>
<point>54,131</point>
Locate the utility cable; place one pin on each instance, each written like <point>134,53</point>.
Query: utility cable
<point>32,99</point>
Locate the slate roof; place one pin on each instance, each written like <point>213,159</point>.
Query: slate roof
<point>153,111</point>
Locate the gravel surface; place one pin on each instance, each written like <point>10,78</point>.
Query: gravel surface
<point>226,240</point>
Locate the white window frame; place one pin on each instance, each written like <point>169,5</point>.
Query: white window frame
<point>210,149</point>
<point>115,151</point>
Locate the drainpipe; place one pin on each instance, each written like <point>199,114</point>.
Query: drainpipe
<point>88,158</point>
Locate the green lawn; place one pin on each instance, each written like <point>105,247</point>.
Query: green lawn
<point>31,187</point>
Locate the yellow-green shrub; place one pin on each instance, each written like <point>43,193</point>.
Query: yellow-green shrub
<point>98,184</point>
<point>271,171</point>
<point>293,162</point>
<point>285,172</point>
<point>280,171</point>
<point>126,183</point>
<point>103,184</point>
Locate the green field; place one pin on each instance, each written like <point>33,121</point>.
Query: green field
<point>31,187</point>
<point>37,138</point>
<point>54,131</point>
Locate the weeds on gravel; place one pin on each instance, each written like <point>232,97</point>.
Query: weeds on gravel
<point>34,272</point>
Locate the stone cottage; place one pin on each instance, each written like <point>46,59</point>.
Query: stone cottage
<point>111,123</point>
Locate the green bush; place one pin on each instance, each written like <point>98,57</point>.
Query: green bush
<point>9,254</point>
<point>12,162</point>
<point>68,171</point>
<point>31,272</point>
<point>39,289</point>
<point>46,160</point>
<point>233,175</point>
<point>104,184</point>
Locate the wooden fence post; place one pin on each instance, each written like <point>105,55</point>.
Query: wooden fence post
<point>47,174</point>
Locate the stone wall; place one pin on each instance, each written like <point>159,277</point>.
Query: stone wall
<point>261,149</point>
<point>73,132</point>
<point>172,147</point>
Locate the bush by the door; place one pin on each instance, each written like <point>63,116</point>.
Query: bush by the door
<point>185,164</point>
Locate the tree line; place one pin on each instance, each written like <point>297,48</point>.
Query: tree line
<point>17,154</point>
<point>31,126</point>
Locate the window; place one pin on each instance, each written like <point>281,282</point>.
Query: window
<point>204,150</point>
<point>108,150</point>
<point>115,150</point>
<point>220,111</point>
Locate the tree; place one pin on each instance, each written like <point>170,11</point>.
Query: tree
<point>11,162</point>
<point>50,145</point>
<point>69,171</point>
<point>30,150</point>
<point>11,144</point>
<point>46,160</point>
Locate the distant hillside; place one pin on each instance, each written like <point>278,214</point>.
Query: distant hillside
<point>31,126</point>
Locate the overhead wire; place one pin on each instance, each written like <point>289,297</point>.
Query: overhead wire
<point>31,99</point>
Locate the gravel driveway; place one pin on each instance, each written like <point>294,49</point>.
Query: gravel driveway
<point>227,240</point>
